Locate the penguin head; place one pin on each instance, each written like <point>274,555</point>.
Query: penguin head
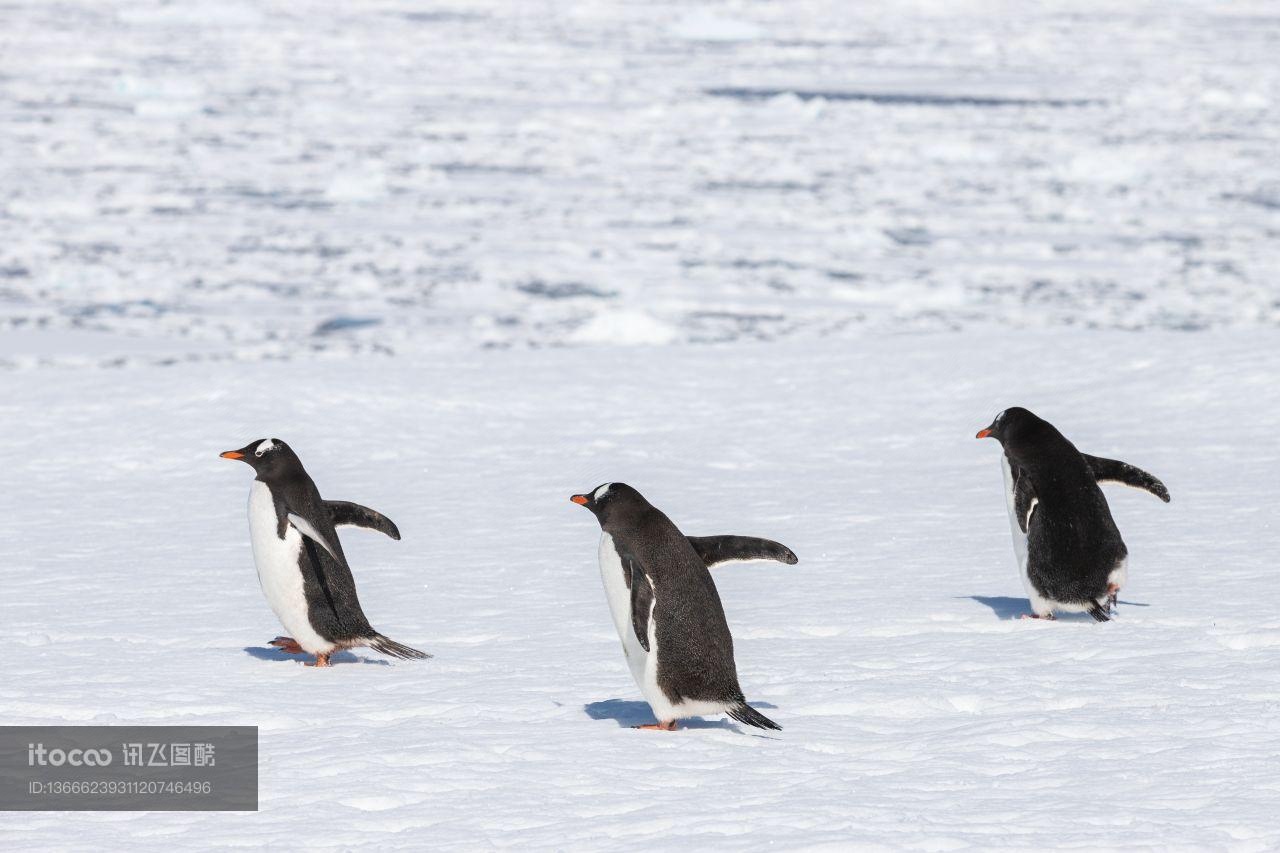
<point>1013,428</point>
<point>612,503</point>
<point>270,458</point>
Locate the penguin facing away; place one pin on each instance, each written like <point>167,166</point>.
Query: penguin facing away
<point>666,608</point>
<point>1071,556</point>
<point>301,566</point>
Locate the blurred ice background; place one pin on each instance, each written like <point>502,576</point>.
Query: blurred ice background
<point>189,180</point>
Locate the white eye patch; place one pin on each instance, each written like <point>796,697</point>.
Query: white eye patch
<point>264,447</point>
<point>601,492</point>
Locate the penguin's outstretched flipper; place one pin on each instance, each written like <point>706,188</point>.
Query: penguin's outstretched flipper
<point>1115,471</point>
<point>355,515</point>
<point>744,713</point>
<point>388,646</point>
<point>715,550</point>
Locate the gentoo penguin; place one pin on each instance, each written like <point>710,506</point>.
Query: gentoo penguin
<point>712,550</point>
<point>301,567</point>
<point>1070,554</point>
<point>666,608</point>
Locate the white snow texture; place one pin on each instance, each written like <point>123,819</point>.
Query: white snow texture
<point>772,264</point>
<point>261,179</point>
<point>918,711</point>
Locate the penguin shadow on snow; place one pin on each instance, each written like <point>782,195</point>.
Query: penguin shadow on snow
<point>274,654</point>
<point>629,713</point>
<point>1008,608</point>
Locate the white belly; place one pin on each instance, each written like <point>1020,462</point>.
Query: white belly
<point>1019,538</point>
<point>619,597</point>
<point>277,563</point>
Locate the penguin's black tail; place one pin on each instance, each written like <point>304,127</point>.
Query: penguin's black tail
<point>388,646</point>
<point>744,713</point>
<point>1098,612</point>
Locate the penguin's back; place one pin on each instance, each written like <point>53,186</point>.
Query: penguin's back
<point>694,649</point>
<point>1073,544</point>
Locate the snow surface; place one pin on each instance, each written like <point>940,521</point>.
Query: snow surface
<point>918,711</point>
<point>263,179</point>
<point>470,259</point>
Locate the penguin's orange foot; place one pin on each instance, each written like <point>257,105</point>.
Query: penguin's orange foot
<point>668,726</point>
<point>322,659</point>
<point>288,645</point>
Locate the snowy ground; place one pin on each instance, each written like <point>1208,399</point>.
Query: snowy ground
<point>405,237</point>
<point>917,711</point>
<point>267,178</point>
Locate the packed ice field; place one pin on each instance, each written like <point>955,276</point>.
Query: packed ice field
<point>266,179</point>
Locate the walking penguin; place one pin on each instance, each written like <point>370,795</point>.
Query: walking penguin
<point>666,608</point>
<point>301,567</point>
<point>1070,554</point>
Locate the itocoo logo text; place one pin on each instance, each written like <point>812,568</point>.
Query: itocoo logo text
<point>37,755</point>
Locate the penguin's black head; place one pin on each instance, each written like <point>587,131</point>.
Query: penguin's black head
<point>612,502</point>
<point>271,458</point>
<point>1013,428</point>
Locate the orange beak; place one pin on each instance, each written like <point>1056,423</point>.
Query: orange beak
<point>581,500</point>
<point>985,433</point>
<point>232,454</point>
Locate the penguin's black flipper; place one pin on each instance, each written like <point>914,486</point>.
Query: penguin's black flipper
<point>744,713</point>
<point>309,530</point>
<point>715,550</point>
<point>641,600</point>
<point>1115,471</point>
<point>1099,613</point>
<point>1024,498</point>
<point>346,512</point>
